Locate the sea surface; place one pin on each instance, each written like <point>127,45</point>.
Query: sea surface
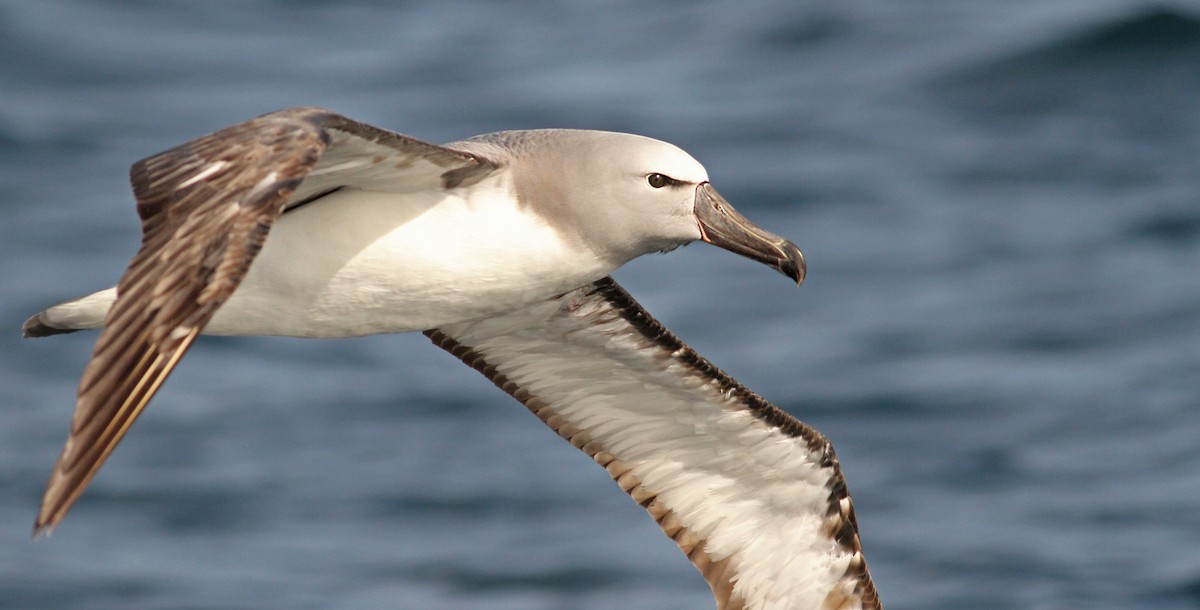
<point>1000,205</point>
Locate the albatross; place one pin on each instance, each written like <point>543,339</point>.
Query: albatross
<point>305,223</point>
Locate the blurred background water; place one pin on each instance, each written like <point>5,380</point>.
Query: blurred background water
<point>999,201</point>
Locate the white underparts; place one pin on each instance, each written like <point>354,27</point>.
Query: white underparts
<point>366,262</point>
<point>361,262</point>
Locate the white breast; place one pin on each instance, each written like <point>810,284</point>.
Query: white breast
<point>363,262</point>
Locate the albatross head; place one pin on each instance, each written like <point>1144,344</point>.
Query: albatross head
<point>625,195</point>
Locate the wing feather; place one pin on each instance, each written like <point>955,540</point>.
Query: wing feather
<point>755,498</point>
<point>206,209</point>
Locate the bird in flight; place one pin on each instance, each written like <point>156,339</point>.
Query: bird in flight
<point>306,223</point>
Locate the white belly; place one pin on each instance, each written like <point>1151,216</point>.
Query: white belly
<point>365,262</point>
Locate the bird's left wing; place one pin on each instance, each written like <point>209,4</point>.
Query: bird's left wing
<point>206,208</point>
<point>755,498</point>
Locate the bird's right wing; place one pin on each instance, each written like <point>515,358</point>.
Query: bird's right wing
<point>755,498</point>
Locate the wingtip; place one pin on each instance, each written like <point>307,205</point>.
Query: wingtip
<point>40,530</point>
<point>50,513</point>
<point>44,525</point>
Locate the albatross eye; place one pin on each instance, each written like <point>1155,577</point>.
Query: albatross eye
<point>658,180</point>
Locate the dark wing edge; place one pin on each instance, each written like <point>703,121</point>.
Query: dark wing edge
<point>856,588</point>
<point>206,207</point>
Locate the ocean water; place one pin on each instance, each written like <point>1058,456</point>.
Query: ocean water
<point>999,201</point>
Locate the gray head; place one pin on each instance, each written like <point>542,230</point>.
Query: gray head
<point>625,195</point>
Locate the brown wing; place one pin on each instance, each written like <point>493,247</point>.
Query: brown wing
<point>206,207</point>
<point>755,498</point>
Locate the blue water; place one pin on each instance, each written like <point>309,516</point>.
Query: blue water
<point>1000,203</point>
